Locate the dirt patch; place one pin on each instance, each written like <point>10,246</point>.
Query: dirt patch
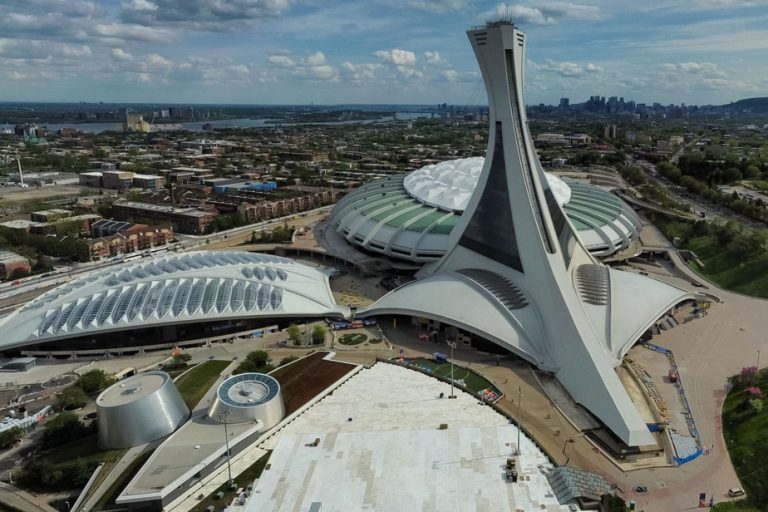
<point>303,380</point>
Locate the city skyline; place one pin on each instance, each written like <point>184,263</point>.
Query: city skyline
<point>406,51</point>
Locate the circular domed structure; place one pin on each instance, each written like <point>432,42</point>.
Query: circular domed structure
<point>411,216</point>
<point>138,410</point>
<point>249,397</point>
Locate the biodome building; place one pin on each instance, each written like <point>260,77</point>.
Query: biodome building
<point>411,216</point>
<point>160,295</point>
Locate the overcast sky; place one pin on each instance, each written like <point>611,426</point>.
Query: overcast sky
<point>375,51</point>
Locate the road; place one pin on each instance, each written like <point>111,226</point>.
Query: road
<point>712,213</point>
<point>13,295</point>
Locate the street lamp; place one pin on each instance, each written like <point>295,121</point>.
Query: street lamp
<point>223,418</point>
<point>451,344</point>
<point>519,409</point>
<point>757,366</point>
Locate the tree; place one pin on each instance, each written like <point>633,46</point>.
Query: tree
<point>294,334</point>
<point>256,361</point>
<point>181,358</point>
<point>93,381</point>
<point>72,397</point>
<point>756,404</point>
<point>318,334</point>
<point>10,436</point>
<point>64,428</point>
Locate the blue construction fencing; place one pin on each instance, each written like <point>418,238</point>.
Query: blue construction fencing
<point>686,411</point>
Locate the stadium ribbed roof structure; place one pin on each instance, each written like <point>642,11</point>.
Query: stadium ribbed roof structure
<point>411,216</point>
<point>172,289</point>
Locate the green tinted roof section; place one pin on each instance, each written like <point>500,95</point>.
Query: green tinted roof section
<point>393,209</point>
<point>447,225</point>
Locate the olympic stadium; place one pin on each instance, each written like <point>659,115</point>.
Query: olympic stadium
<point>165,293</point>
<point>411,216</point>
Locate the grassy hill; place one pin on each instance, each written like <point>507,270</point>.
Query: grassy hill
<point>748,275</point>
<point>746,435</point>
<point>754,104</point>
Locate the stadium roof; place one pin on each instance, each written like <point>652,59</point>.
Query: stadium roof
<point>172,289</point>
<point>410,216</point>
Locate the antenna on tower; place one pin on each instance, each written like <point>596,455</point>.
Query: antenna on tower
<point>21,174</point>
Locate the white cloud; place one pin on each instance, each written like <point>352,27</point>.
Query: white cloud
<point>121,55</point>
<point>434,58</point>
<point>140,5</point>
<point>545,13</point>
<point>204,15</point>
<point>157,61</point>
<point>397,57</point>
<point>450,75</point>
<point>282,61</point>
<point>316,59</point>
<point>438,5</point>
<point>565,69</point>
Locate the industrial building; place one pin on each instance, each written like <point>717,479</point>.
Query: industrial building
<point>138,410</point>
<point>517,272</point>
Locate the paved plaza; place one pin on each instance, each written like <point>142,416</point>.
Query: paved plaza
<point>378,443</point>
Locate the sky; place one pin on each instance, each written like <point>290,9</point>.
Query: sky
<point>376,51</point>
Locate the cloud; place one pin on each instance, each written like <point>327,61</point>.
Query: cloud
<point>157,61</point>
<point>565,69</point>
<point>450,75</point>
<point>366,72</point>
<point>434,58</point>
<point>204,15</point>
<point>704,69</point>
<point>281,61</point>
<point>121,55</point>
<point>546,13</point>
<point>397,57</point>
<point>438,5</point>
<point>40,50</point>
<point>313,65</point>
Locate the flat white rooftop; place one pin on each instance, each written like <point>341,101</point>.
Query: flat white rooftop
<point>381,448</point>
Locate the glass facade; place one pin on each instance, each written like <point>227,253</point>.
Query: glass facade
<point>491,230</point>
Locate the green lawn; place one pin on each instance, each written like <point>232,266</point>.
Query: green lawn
<point>85,448</point>
<point>194,384</point>
<point>109,497</point>
<point>353,338</point>
<point>748,276</point>
<point>472,381</point>
<point>746,435</point>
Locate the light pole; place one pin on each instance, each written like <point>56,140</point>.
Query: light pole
<point>451,344</point>
<point>757,366</point>
<point>519,400</point>
<point>223,418</point>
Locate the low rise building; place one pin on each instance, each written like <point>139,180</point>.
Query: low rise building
<point>50,215</point>
<point>12,265</point>
<point>118,180</point>
<point>184,220</point>
<point>130,239</point>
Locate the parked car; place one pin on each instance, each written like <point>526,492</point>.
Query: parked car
<point>641,488</point>
<point>735,492</point>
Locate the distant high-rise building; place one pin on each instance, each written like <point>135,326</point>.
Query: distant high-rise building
<point>565,102</point>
